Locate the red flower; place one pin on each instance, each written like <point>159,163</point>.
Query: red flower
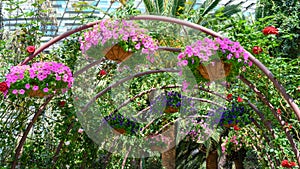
<point>239,99</point>
<point>102,72</point>
<point>62,103</point>
<point>3,87</point>
<point>290,126</point>
<point>257,50</point>
<point>236,128</point>
<point>270,30</point>
<point>292,164</point>
<point>229,96</point>
<point>30,49</point>
<point>278,111</point>
<point>285,163</point>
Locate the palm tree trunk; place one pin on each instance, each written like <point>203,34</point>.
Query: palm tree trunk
<point>212,160</point>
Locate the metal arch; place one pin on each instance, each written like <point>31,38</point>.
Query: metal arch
<point>263,68</point>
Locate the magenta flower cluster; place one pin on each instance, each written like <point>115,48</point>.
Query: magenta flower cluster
<point>200,130</point>
<point>208,49</point>
<point>231,144</point>
<point>41,75</point>
<point>117,30</point>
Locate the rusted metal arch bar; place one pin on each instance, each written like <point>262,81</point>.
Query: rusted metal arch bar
<point>279,119</point>
<point>124,80</point>
<point>263,68</point>
<point>208,101</point>
<point>267,125</point>
<point>55,157</point>
<point>23,139</point>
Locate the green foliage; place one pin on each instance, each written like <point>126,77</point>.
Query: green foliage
<point>287,20</point>
<point>58,124</point>
<point>126,11</point>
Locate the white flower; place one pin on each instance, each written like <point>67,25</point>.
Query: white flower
<point>80,130</point>
<point>67,143</point>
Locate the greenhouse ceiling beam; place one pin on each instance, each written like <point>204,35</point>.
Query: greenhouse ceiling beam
<point>59,25</point>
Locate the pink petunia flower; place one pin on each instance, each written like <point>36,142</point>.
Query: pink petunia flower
<point>35,88</point>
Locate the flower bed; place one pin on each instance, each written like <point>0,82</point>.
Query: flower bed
<point>39,80</point>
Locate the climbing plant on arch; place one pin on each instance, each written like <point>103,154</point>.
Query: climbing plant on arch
<point>251,59</point>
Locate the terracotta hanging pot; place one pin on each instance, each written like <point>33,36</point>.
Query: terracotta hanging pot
<point>215,71</point>
<point>37,93</point>
<point>119,131</point>
<point>117,53</point>
<point>171,110</point>
<point>229,125</point>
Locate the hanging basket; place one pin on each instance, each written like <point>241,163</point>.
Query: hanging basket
<point>229,125</point>
<point>117,53</point>
<point>215,71</point>
<point>171,110</point>
<point>37,93</point>
<point>119,131</point>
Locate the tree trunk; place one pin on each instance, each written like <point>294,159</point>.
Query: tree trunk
<point>238,164</point>
<point>168,157</point>
<point>212,160</point>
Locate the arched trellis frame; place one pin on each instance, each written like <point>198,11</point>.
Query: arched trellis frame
<point>255,61</point>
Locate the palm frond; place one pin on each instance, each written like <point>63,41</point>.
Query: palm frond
<point>176,5</point>
<point>189,5</point>
<point>159,6</point>
<point>231,10</point>
<point>209,5</point>
<point>149,6</point>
